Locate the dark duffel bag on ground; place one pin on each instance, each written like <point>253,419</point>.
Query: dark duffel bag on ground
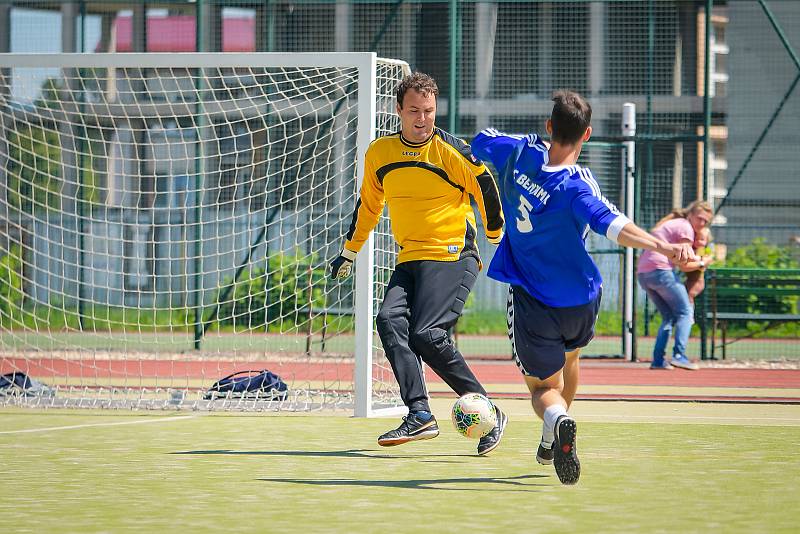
<point>261,384</point>
<point>20,384</point>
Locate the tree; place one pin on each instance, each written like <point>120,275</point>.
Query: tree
<point>34,169</point>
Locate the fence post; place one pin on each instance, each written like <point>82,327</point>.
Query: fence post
<point>628,132</point>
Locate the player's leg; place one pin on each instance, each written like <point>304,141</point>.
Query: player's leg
<point>571,376</point>
<point>561,430</point>
<point>546,344</point>
<point>572,371</point>
<point>547,393</point>
<point>538,350</point>
<point>393,328</point>
<point>441,290</point>
<point>577,326</point>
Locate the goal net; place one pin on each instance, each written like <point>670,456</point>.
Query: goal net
<point>167,220</point>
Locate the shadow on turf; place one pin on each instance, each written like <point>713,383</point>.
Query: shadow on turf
<point>517,483</point>
<point>350,453</point>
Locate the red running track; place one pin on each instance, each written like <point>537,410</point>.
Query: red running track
<point>621,374</point>
<point>625,374</point>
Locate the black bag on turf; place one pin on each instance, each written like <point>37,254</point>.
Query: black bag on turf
<point>21,385</point>
<point>249,384</point>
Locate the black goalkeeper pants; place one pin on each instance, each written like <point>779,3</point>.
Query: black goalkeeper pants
<point>424,299</point>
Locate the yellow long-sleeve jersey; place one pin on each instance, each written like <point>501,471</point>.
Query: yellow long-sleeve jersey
<point>427,187</point>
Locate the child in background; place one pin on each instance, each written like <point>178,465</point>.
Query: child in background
<point>695,280</point>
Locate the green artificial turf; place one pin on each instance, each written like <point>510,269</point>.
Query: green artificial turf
<point>76,471</point>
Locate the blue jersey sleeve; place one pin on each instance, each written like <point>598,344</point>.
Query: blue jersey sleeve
<point>593,209</point>
<point>495,147</point>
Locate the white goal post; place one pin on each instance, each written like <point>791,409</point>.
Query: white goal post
<point>167,219</point>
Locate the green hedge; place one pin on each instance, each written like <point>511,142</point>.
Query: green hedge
<point>277,298</point>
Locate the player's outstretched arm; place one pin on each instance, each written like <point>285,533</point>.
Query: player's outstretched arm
<point>633,236</point>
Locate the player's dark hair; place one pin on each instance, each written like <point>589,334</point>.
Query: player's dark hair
<point>571,115</point>
<point>422,83</point>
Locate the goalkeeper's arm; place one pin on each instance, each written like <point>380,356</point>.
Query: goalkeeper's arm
<point>342,265</point>
<point>489,205</point>
<point>365,217</point>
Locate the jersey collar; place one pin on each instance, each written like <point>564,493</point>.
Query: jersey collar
<point>556,168</point>
<point>417,145</point>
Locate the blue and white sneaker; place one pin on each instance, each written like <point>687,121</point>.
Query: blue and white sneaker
<point>662,364</point>
<point>679,360</point>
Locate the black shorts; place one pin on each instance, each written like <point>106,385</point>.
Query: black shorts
<point>541,334</point>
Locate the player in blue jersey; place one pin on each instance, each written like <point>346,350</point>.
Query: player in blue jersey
<point>550,204</point>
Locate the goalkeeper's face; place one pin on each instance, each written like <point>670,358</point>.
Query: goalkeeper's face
<point>417,115</point>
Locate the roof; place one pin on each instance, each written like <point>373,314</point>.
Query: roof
<point>177,33</point>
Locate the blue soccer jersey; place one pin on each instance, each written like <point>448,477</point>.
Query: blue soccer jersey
<point>549,211</point>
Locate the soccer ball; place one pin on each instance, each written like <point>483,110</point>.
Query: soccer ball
<point>474,415</point>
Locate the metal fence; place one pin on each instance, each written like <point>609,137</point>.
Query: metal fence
<point>714,84</point>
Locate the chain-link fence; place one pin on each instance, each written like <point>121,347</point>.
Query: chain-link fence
<point>714,83</point>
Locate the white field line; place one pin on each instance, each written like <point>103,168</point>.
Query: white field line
<point>71,427</point>
<point>687,419</point>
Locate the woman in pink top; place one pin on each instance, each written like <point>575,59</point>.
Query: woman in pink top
<point>656,276</point>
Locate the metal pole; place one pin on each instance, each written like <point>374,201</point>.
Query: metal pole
<point>452,105</point>
<point>707,98</point>
<point>83,26</point>
<point>779,32</point>
<point>270,25</point>
<point>198,184</point>
<point>629,131</point>
<point>651,45</point>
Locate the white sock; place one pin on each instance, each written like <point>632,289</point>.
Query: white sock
<point>551,415</point>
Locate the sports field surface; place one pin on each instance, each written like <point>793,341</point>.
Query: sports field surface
<point>647,467</point>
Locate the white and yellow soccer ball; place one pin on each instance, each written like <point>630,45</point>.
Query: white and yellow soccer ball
<point>474,415</point>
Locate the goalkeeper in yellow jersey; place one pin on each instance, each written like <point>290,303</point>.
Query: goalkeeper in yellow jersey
<point>427,177</point>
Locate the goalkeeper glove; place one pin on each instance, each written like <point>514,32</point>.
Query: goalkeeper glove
<point>495,240</point>
<point>343,264</point>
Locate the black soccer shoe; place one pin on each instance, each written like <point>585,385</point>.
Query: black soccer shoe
<point>565,457</point>
<point>411,429</point>
<point>490,441</point>
<point>544,456</point>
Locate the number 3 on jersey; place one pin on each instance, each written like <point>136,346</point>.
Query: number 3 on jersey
<point>524,224</point>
